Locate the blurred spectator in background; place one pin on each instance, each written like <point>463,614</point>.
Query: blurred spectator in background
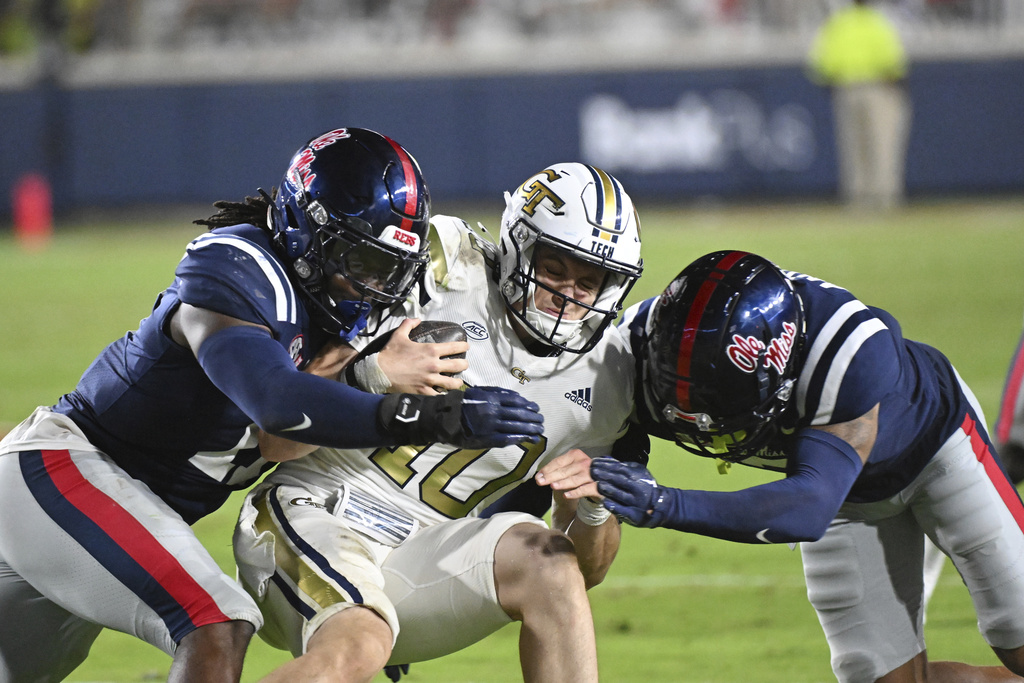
<point>73,25</point>
<point>858,53</point>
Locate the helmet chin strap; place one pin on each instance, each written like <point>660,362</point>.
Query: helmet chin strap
<point>355,311</point>
<point>559,331</point>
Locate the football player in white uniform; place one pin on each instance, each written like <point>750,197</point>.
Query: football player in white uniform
<point>395,533</point>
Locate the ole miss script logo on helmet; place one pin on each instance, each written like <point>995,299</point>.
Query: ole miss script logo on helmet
<point>299,173</point>
<point>744,351</point>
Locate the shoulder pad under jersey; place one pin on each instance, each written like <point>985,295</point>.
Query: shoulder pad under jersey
<point>231,274</point>
<point>457,254</point>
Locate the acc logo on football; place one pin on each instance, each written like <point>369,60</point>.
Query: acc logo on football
<point>475,330</point>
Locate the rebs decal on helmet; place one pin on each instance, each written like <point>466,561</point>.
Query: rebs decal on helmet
<point>403,239</point>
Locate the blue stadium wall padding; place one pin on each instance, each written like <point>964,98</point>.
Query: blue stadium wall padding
<point>743,133</point>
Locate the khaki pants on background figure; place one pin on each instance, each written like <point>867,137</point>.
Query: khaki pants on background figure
<point>872,128</point>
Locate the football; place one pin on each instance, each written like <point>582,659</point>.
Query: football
<point>427,332</point>
<point>438,331</point>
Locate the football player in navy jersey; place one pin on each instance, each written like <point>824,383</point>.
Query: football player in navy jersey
<point>880,441</point>
<point>97,492</point>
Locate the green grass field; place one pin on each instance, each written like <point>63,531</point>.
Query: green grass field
<point>675,607</point>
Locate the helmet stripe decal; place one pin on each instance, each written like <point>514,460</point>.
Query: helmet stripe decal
<point>693,318</point>
<point>609,201</point>
<point>411,187</point>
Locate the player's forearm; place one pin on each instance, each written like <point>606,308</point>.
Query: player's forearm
<point>797,508</point>
<point>596,544</point>
<point>257,374</point>
<point>328,363</point>
<point>763,514</point>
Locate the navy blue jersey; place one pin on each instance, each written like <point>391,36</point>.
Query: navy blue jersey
<point>145,400</point>
<point>852,357</point>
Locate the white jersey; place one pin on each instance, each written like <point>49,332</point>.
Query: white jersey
<point>585,399</point>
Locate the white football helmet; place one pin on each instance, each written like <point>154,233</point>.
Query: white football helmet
<point>580,210</point>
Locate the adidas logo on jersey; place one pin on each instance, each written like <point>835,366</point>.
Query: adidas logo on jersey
<point>580,397</point>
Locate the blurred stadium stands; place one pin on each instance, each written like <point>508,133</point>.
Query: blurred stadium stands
<point>160,101</point>
<point>195,40</point>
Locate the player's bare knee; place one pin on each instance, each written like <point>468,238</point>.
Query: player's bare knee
<point>533,563</point>
<point>353,644</point>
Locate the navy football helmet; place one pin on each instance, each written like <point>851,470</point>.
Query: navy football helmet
<point>352,204</point>
<point>720,365</point>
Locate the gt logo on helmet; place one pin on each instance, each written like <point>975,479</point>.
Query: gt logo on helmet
<point>536,192</point>
<point>744,352</point>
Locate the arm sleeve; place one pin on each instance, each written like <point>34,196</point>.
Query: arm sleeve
<point>257,374</point>
<point>797,508</point>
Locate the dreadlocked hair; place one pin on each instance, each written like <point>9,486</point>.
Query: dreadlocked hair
<point>253,211</point>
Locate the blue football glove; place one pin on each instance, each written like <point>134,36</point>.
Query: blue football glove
<point>479,418</point>
<point>395,671</point>
<point>493,417</point>
<point>630,491</point>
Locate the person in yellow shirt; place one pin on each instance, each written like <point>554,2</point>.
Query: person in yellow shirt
<point>858,54</point>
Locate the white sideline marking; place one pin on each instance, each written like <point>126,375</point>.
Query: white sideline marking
<point>703,580</point>
<point>725,581</point>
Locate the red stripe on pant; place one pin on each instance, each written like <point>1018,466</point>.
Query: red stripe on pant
<point>133,538</point>
<point>1004,488</point>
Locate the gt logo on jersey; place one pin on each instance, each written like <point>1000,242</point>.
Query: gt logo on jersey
<point>744,352</point>
<point>307,502</point>
<point>295,350</point>
<point>534,192</point>
<point>520,375</point>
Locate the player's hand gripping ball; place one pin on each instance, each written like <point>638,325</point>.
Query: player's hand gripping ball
<point>439,332</point>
